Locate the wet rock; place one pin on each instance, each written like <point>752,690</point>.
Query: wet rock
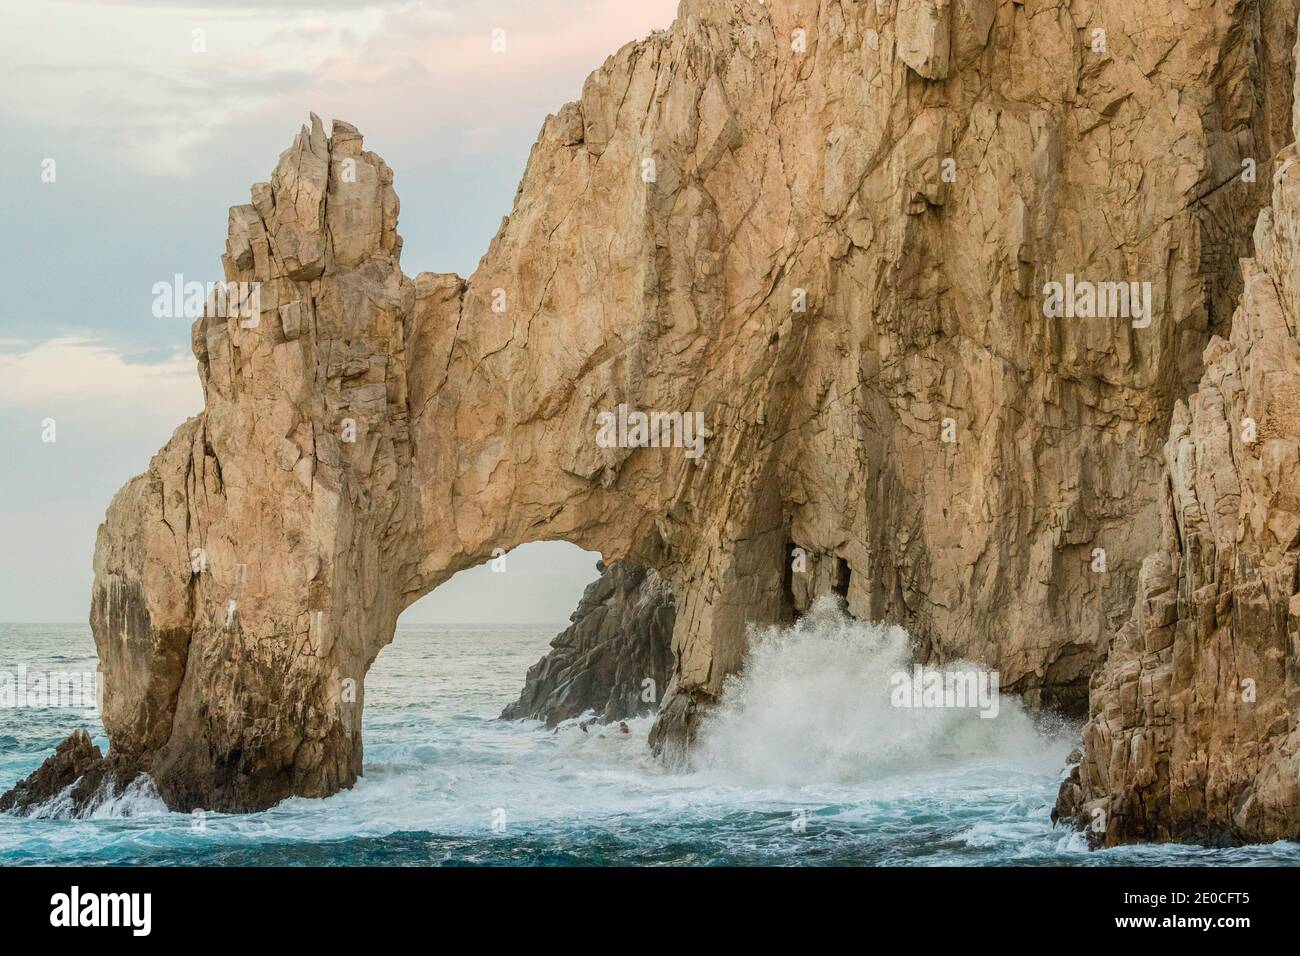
<point>77,774</point>
<point>614,659</point>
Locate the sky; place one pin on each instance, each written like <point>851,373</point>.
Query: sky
<point>127,129</point>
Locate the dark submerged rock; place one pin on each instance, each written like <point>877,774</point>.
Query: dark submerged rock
<point>620,638</point>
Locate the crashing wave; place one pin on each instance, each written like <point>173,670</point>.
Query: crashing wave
<point>109,801</point>
<point>819,702</point>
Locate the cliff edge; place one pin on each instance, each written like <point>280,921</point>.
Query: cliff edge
<point>1194,728</point>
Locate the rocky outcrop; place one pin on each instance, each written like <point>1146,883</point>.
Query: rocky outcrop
<point>77,773</point>
<point>826,226</point>
<point>1193,734</point>
<point>614,659</point>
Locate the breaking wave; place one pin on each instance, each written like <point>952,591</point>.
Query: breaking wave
<point>815,703</point>
<point>805,761</point>
<point>138,798</point>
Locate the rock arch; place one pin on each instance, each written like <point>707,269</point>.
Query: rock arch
<point>365,440</point>
<point>799,268</point>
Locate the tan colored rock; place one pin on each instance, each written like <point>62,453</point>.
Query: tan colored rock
<point>1193,733</point>
<point>924,30</point>
<point>838,261</point>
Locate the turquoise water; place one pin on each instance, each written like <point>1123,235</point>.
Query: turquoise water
<point>801,767</point>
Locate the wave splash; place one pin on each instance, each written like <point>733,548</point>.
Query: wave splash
<point>815,703</point>
<point>137,799</point>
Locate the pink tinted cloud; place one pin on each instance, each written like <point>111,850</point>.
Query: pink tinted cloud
<point>429,77</point>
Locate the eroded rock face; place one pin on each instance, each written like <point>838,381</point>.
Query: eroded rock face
<point>825,225</point>
<point>1193,733</point>
<point>614,659</point>
<point>238,582</point>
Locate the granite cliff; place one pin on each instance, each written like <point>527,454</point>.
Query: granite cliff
<point>826,226</point>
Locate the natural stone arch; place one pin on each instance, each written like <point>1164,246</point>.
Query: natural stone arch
<point>370,437</point>
<point>780,176</point>
<point>472,404</point>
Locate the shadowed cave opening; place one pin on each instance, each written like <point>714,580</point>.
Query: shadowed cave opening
<point>493,641</point>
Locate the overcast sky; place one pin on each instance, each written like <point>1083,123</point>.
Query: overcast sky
<point>151,140</point>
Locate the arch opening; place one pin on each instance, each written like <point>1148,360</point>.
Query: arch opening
<point>493,641</point>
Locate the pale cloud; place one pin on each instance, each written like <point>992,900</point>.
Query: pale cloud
<point>250,6</point>
<point>151,86</point>
<point>154,140</point>
<point>86,373</point>
<point>471,98</point>
<point>148,88</point>
<point>111,415</point>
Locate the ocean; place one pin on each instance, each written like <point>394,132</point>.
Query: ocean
<point>799,767</point>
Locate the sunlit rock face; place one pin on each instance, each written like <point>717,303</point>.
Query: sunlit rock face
<point>827,228</point>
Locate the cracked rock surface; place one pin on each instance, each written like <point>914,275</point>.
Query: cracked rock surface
<point>1193,732</point>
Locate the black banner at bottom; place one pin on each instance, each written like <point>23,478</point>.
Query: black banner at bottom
<point>341,905</point>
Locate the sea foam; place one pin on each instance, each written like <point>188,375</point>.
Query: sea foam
<point>814,703</point>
